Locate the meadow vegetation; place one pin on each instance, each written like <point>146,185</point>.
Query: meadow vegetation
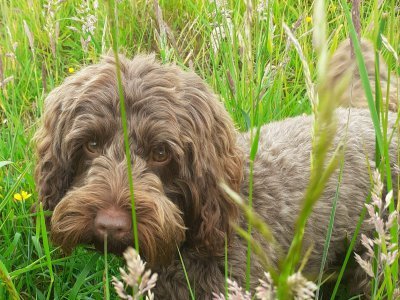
<point>259,56</point>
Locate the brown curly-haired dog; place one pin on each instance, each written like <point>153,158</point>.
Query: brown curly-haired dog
<point>183,144</point>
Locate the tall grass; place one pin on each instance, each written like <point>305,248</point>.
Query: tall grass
<point>255,68</point>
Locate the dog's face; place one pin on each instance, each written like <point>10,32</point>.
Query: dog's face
<point>182,144</point>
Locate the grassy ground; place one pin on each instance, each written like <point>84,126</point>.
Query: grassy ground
<point>245,59</point>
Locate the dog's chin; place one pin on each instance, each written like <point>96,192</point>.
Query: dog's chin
<point>118,248</point>
<point>113,247</point>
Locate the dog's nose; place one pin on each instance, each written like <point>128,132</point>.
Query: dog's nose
<point>113,222</point>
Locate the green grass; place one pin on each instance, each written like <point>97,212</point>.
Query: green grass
<point>256,71</point>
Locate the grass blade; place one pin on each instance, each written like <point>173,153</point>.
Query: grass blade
<point>5,163</point>
<point>80,280</point>
<point>113,28</point>
<point>186,276</point>
<point>5,277</point>
<point>46,247</point>
<point>349,251</point>
<point>381,140</point>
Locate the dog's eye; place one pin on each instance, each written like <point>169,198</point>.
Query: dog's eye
<point>160,154</point>
<point>92,146</point>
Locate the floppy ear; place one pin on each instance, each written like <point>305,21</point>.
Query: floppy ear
<point>53,170</point>
<point>57,152</point>
<point>214,158</point>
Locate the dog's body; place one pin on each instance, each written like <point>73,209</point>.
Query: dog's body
<point>183,144</point>
<point>284,150</point>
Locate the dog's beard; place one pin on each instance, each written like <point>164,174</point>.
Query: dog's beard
<point>159,222</point>
<point>112,246</point>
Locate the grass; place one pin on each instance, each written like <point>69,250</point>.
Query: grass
<point>256,70</point>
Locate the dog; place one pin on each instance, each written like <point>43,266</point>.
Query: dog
<point>183,144</point>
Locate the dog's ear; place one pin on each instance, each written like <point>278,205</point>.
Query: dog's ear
<point>53,171</point>
<point>214,157</point>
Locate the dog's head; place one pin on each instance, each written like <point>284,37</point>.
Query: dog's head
<point>182,144</point>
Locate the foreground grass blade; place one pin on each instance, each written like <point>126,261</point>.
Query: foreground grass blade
<point>226,267</point>
<point>252,216</point>
<point>186,275</point>
<point>330,227</point>
<point>382,145</point>
<point>106,278</point>
<point>324,129</point>
<point>6,279</point>
<point>113,28</point>
<point>349,251</point>
<point>257,223</point>
<point>5,163</point>
<point>258,250</point>
<point>46,247</point>
<point>80,280</point>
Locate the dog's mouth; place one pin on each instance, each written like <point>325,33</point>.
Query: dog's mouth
<point>112,246</point>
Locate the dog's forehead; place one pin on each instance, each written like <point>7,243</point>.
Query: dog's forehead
<point>146,85</point>
<point>151,118</point>
<point>156,98</point>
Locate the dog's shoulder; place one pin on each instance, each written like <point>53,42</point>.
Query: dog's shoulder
<point>290,131</point>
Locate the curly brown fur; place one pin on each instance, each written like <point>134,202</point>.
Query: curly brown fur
<point>178,202</point>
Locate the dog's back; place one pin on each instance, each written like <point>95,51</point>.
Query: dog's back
<point>282,174</point>
<point>282,166</point>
